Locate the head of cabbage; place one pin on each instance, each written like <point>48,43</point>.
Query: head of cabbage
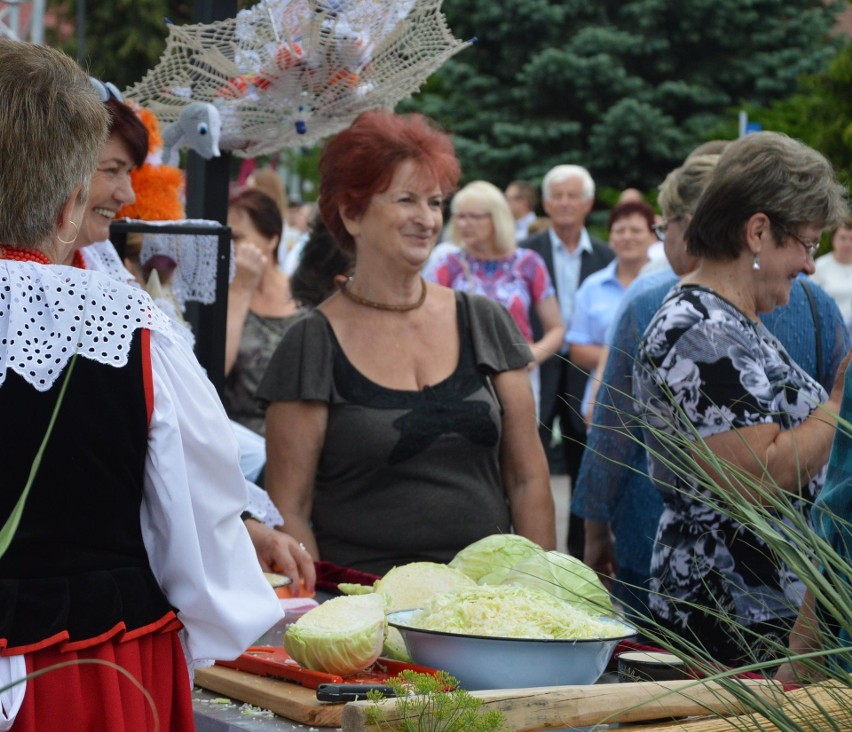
<point>564,577</point>
<point>490,559</point>
<point>340,636</point>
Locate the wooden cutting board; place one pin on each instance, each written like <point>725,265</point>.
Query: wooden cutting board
<point>282,697</point>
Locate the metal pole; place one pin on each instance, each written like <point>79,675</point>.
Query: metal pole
<point>81,31</point>
<point>37,22</point>
<point>207,181</point>
<point>207,184</point>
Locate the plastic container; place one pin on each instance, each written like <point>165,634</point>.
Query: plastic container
<point>650,666</point>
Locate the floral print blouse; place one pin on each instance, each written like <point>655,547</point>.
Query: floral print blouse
<point>704,368</point>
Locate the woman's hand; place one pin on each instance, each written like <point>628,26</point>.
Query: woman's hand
<point>250,262</point>
<point>281,553</point>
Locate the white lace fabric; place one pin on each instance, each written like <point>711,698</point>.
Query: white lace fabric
<point>194,279</point>
<point>102,257</point>
<point>49,313</point>
<point>288,73</point>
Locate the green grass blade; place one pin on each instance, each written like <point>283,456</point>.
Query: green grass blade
<point>11,525</point>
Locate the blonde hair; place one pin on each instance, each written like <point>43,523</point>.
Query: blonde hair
<point>267,181</point>
<point>493,199</point>
<point>680,191</point>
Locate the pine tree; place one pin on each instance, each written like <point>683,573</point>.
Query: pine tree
<point>625,88</point>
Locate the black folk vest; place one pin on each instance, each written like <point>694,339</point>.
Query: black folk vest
<point>77,570</point>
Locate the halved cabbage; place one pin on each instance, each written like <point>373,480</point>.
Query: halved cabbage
<point>341,636</point>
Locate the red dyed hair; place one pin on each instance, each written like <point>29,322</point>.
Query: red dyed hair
<point>362,160</point>
<point>628,209</point>
<point>124,123</point>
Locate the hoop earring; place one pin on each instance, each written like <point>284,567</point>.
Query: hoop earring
<point>74,238</point>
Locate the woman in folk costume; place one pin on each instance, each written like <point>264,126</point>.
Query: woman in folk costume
<point>127,547</point>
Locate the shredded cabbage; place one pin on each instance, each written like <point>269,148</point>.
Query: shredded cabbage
<point>511,612</point>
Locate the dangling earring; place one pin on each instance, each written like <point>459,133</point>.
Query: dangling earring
<point>73,238</point>
<point>755,265</point>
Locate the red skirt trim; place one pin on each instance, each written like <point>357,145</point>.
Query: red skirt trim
<point>118,633</point>
<point>87,693</point>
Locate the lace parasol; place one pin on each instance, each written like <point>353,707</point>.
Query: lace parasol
<point>288,73</point>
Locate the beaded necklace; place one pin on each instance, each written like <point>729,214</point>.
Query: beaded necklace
<point>384,306</point>
<point>23,255</point>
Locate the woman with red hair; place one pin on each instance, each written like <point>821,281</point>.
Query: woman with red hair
<point>400,421</point>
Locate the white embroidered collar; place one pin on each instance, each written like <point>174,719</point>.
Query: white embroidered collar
<point>50,312</point>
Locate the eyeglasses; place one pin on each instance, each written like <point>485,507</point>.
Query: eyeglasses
<point>811,245</point>
<point>662,227</point>
<point>461,217</point>
<point>106,90</point>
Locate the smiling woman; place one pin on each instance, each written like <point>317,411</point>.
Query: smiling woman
<point>111,187</point>
<point>598,297</point>
<point>707,368</point>
<point>491,264</point>
<point>412,432</point>
<point>126,554</point>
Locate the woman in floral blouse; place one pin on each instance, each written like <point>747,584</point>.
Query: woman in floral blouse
<point>490,263</point>
<point>708,369</point>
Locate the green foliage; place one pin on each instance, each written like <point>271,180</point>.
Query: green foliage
<point>123,38</point>
<point>625,88</point>
<point>819,113</point>
<point>434,703</point>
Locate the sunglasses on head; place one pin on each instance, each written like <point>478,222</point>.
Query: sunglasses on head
<point>106,90</point>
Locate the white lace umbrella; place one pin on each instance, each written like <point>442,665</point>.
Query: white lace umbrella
<point>290,72</point>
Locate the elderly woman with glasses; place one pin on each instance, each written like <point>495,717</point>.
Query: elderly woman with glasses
<point>727,414</point>
<point>490,263</point>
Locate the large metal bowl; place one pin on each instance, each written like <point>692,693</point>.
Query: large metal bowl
<point>484,662</point>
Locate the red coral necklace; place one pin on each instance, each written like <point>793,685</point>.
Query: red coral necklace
<point>33,255</point>
<point>23,255</point>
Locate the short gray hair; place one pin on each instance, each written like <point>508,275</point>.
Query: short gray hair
<point>494,200</point>
<point>766,172</point>
<point>53,128</point>
<point>680,191</point>
<point>561,173</point>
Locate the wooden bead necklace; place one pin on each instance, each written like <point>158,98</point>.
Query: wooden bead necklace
<point>384,306</point>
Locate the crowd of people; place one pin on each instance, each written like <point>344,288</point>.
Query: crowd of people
<point>409,398</point>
